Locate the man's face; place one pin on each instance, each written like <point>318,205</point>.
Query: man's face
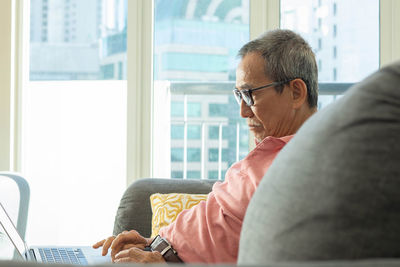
<point>272,113</point>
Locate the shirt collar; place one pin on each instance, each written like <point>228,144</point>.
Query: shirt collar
<point>285,139</point>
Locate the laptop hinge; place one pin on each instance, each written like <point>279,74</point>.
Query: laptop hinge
<point>31,255</point>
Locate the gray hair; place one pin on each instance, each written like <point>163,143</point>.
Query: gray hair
<point>287,56</point>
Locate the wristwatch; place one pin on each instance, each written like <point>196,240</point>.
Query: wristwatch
<point>164,247</point>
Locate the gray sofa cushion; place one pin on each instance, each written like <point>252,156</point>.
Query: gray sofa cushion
<point>134,211</point>
<point>334,191</point>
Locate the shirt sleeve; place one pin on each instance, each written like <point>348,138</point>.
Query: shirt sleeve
<point>209,232</point>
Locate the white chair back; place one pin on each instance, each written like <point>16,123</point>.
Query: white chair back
<point>14,196</point>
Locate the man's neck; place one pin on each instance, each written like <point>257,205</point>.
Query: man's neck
<point>301,116</point>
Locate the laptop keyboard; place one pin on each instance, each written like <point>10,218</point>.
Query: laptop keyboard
<point>63,255</point>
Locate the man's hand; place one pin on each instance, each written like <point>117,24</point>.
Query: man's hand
<point>139,256</point>
<point>123,241</point>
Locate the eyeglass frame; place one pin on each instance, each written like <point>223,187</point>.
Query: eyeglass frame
<point>249,91</point>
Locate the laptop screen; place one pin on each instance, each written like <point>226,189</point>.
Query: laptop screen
<point>12,232</point>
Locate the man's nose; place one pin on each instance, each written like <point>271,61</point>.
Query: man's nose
<point>245,110</point>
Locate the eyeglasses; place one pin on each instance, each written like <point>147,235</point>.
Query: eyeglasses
<point>246,96</point>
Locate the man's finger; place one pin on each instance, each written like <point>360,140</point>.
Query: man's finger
<point>99,244</point>
<point>122,254</point>
<point>116,247</point>
<point>125,237</point>
<point>122,239</point>
<point>122,260</point>
<point>137,255</point>
<point>107,245</point>
<point>128,246</point>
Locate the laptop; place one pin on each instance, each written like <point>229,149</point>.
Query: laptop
<point>70,255</point>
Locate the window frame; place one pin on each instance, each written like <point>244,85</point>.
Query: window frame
<point>6,81</point>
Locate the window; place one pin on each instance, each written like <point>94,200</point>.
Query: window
<point>217,110</point>
<point>355,34</point>
<point>213,132</point>
<point>194,109</point>
<point>107,71</point>
<point>195,46</point>
<point>213,154</point>
<point>213,175</point>
<point>194,175</point>
<point>194,132</point>
<point>193,154</point>
<point>227,131</point>
<point>177,132</point>
<point>176,174</point>
<point>59,61</point>
<point>75,124</point>
<point>177,154</point>
<point>177,109</point>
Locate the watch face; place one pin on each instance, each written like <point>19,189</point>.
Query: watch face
<point>156,242</point>
<point>162,245</point>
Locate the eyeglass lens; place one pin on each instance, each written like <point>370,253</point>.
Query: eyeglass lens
<point>245,96</point>
<point>238,96</point>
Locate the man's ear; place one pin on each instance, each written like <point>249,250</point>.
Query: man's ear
<point>299,92</point>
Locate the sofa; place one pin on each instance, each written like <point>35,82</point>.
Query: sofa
<point>330,198</point>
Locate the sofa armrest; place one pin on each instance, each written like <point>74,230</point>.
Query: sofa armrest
<point>134,211</point>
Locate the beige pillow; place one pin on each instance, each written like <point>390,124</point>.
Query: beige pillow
<point>166,207</point>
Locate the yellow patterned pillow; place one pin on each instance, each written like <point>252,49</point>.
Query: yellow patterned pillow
<point>166,207</point>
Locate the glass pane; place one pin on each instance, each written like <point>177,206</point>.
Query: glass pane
<point>75,135</point>
<point>194,132</point>
<point>177,154</point>
<point>196,42</point>
<point>193,154</point>
<point>75,131</point>
<point>343,33</point>
<point>78,40</point>
<point>193,174</point>
<point>176,109</point>
<point>177,132</point>
<point>213,175</point>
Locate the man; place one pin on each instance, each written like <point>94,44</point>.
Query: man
<point>277,90</point>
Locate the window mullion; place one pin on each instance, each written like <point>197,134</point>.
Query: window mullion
<point>7,56</point>
<point>389,31</point>
<point>140,84</point>
<point>264,15</point>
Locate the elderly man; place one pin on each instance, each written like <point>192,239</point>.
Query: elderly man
<point>276,88</point>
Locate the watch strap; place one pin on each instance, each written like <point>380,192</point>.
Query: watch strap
<point>166,250</point>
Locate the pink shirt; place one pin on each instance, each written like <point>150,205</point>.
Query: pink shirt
<point>210,231</point>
